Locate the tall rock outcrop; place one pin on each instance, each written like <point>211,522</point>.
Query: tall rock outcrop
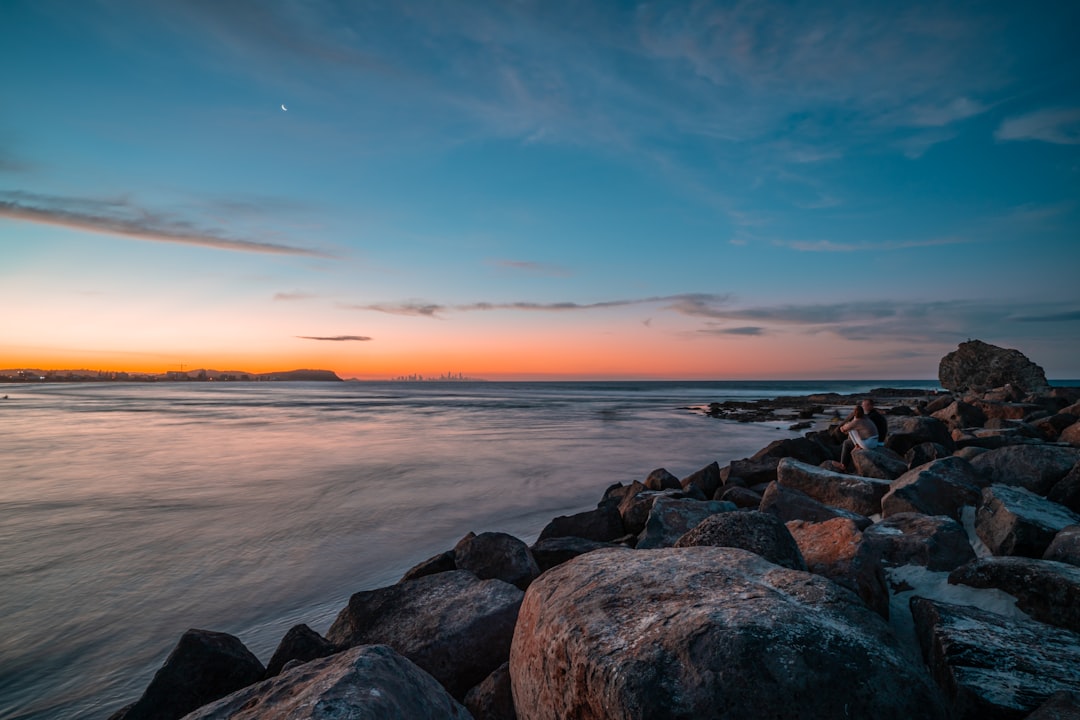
<point>978,366</point>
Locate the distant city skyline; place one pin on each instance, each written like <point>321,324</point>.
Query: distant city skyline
<point>539,190</point>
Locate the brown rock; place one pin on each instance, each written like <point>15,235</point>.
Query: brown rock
<point>760,533</point>
<point>300,643</point>
<point>497,555</point>
<point>707,479</point>
<point>1065,546</point>
<point>443,562</point>
<point>848,492</point>
<point>979,366</point>
<point>602,524</point>
<point>961,415</point>
<point>661,479</point>
<point>941,487</point>
<point>791,504</point>
<point>834,549</point>
<point>492,698</point>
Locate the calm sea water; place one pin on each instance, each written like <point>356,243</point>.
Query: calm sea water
<point>130,513</point>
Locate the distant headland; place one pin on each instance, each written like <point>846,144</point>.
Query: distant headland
<point>27,375</point>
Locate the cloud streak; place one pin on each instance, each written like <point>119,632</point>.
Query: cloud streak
<point>122,218</point>
<point>1060,126</point>
<point>685,304</point>
<point>336,338</point>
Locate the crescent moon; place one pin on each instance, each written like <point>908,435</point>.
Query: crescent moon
<point>284,108</point>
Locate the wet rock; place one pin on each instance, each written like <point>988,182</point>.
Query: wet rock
<point>453,625</point>
<point>443,562</point>
<point>790,504</point>
<point>370,681</point>
<point>707,480</point>
<point>602,524</point>
<point>848,492</point>
<point>1034,467</point>
<point>907,432</point>
<point>941,487</point>
<point>979,366</point>
<point>1066,491</point>
<point>879,463</point>
<point>661,479</point>
<point>496,555</point>
<point>1047,591</point>
<point>961,415</point>
<point>760,533</point>
<point>203,667</point>
<point>835,549</point>
<point>300,643</point>
<point>555,551</point>
<point>671,518</point>
<point>990,666</point>
<point>492,698</point>
<point>710,633</point>
<point>1014,521</point>
<point>936,542</point>
<point>1065,546</point>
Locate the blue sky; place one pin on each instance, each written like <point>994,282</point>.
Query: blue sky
<point>519,189</point>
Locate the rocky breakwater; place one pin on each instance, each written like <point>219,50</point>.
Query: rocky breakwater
<point>940,579</point>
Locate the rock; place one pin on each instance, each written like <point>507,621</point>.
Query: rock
<point>790,504</point>
<point>1034,467</point>
<point>907,432</point>
<point>602,524</point>
<point>1047,591</point>
<point>367,682</point>
<point>742,497</point>
<point>492,698</point>
<point>635,507</point>
<point>300,643</point>
<point>805,449</point>
<point>924,453</point>
<point>707,479</point>
<point>754,472</point>
<point>710,633</point>
<point>879,463</point>
<point>991,666</point>
<point>967,453</point>
<point>661,479</point>
<point>1015,521</point>
<point>760,533</point>
<point>203,667</point>
<point>935,542</point>
<point>834,549</point>
<point>939,403</point>
<point>961,415</point>
<point>1071,435</point>
<point>443,562</point>
<point>1052,426</point>
<point>1002,411</point>
<point>1062,705</point>
<point>453,625</point>
<point>498,555</point>
<point>555,551</point>
<point>848,492</point>
<point>1066,491</point>
<point>979,366</point>
<point>941,487</point>
<point>1065,546</point>
<point>671,518</point>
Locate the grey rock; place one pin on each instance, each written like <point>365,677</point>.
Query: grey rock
<point>710,633</point>
<point>806,449</point>
<point>879,463</point>
<point>1062,705</point>
<point>753,472</point>
<point>1047,591</point>
<point>924,453</point>
<point>671,518</point>
<point>790,504</point>
<point>496,555</point>
<point>370,682</point>
<point>1065,546</point>
<point>990,666</point>
<point>453,625</point>
<point>760,533</point>
<point>941,487</point>
<point>907,432</point>
<point>935,542</point>
<point>742,497</point>
<point>979,366</point>
<point>300,643</point>
<point>1014,521</point>
<point>1035,467</point>
<point>848,492</point>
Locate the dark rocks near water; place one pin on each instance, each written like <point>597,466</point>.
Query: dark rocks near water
<point>758,532</point>
<point>978,366</point>
<point>860,495</point>
<point>300,643</point>
<point>671,518</point>
<point>500,556</point>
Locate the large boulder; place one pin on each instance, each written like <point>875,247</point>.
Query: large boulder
<point>849,492</point>
<point>1071,435</point>
<point>453,625</point>
<point>991,666</point>
<point>1062,705</point>
<point>1015,521</point>
<point>1065,546</point>
<point>790,504</point>
<point>300,643</point>
<point>367,682</point>
<point>835,549</point>
<point>705,632</point>
<point>203,667</point>
<point>637,505</point>
<point>1035,467</point>
<point>497,555</point>
<point>806,449</point>
<point>979,366</point>
<point>671,518</point>
<point>1047,591</point>
<point>941,487</point>
<point>758,532</point>
<point>750,472</point>
<point>907,432</point>
<point>937,542</point>
<point>602,524</point>
<point>879,463</point>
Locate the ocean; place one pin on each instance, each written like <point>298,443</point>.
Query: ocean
<point>130,513</point>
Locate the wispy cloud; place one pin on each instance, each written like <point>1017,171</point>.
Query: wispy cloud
<point>749,330</point>
<point>336,338</point>
<point>685,304</point>
<point>1060,126</point>
<point>846,247</point>
<point>1066,316</point>
<point>121,217</point>
<point>293,296</point>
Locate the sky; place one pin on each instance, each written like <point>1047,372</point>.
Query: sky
<point>538,190</point>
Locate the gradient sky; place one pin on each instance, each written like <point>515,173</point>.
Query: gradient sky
<point>538,189</point>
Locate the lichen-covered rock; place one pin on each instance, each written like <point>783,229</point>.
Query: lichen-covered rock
<point>1035,467</point>
<point>937,542</point>
<point>1047,591</point>
<point>1065,546</point>
<point>497,555</point>
<point>203,667</point>
<point>671,518</point>
<point>941,487</point>
<point>848,492</point>
<point>760,533</point>
<point>835,549</point>
<point>300,643</point>
<point>991,666</point>
<point>492,699</point>
<point>979,366</point>
<point>602,524</point>
<point>371,682</point>
<point>790,504</point>
<point>707,633</point>
<point>1014,521</point>
<point>453,625</point>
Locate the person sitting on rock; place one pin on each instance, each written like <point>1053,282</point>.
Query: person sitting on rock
<point>861,431</point>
